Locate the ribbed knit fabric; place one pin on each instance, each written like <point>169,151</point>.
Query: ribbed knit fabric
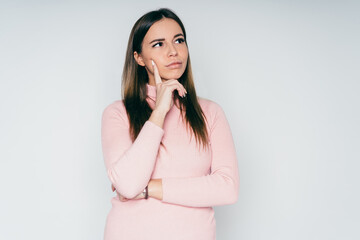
<point>193,179</point>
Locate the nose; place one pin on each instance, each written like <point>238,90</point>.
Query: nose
<point>172,50</point>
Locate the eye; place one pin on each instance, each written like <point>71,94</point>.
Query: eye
<point>180,40</point>
<point>158,43</point>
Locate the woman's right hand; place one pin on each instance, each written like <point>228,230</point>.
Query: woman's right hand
<point>164,91</point>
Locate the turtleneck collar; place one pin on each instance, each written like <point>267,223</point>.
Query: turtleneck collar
<point>151,91</point>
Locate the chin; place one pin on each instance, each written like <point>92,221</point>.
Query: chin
<point>174,75</point>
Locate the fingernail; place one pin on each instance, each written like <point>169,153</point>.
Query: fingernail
<point>152,62</point>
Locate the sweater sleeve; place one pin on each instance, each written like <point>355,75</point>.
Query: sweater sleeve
<point>221,186</point>
<point>129,164</point>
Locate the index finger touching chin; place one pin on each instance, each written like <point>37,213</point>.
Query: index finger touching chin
<point>156,73</point>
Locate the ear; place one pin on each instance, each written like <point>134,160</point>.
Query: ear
<point>139,59</point>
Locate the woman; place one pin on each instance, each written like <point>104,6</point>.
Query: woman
<point>168,153</point>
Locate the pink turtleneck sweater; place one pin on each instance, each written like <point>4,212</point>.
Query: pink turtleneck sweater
<point>193,180</point>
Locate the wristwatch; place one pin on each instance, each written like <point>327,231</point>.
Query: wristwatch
<point>145,192</point>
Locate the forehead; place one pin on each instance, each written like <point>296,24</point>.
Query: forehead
<point>164,28</point>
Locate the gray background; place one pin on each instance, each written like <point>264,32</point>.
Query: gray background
<point>285,72</point>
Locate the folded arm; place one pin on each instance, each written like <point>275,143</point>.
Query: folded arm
<point>221,186</point>
<point>129,164</point>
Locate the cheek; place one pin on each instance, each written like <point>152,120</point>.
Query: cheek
<point>147,55</point>
<point>158,60</point>
<point>183,50</point>
<point>185,58</point>
<point>185,55</point>
<point>153,56</point>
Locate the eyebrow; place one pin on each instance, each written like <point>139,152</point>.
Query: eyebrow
<point>163,39</point>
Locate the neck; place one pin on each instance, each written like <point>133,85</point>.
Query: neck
<point>152,80</point>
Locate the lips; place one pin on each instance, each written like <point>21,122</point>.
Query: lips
<point>174,64</point>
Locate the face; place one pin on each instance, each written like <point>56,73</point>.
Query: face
<point>165,44</point>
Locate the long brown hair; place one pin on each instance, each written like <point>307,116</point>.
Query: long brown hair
<point>134,79</point>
